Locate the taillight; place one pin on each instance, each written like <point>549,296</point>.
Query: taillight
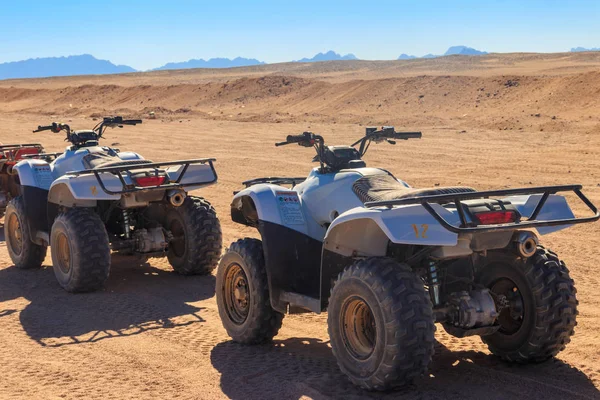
<point>496,217</point>
<point>153,180</point>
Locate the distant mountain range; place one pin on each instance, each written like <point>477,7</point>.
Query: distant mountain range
<point>212,63</point>
<point>406,57</point>
<point>329,56</point>
<point>60,66</point>
<point>454,50</point>
<point>580,49</point>
<point>86,64</point>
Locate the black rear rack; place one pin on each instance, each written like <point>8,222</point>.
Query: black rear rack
<point>176,184</point>
<point>275,181</point>
<point>531,222</point>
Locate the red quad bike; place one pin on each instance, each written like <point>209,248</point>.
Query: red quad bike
<point>10,154</point>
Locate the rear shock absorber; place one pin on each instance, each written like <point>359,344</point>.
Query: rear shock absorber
<point>127,223</point>
<point>434,283</point>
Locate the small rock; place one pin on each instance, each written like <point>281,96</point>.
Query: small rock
<point>537,115</point>
<point>463,131</point>
<point>554,117</point>
<point>437,184</point>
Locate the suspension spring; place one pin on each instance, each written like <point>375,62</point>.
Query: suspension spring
<point>127,223</point>
<point>434,283</point>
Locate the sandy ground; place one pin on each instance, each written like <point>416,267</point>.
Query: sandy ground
<point>152,333</point>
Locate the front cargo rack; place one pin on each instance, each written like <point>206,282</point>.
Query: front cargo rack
<point>176,184</point>
<point>531,222</point>
<point>274,180</point>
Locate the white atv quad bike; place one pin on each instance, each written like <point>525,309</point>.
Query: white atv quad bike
<point>93,199</point>
<point>388,261</point>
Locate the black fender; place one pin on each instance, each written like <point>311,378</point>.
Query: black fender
<point>36,212</point>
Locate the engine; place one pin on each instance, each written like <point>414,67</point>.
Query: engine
<point>474,309</point>
<point>150,240</point>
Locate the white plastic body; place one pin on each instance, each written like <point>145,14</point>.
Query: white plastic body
<point>334,215</point>
<point>48,176</point>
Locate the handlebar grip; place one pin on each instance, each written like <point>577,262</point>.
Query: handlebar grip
<point>42,128</point>
<point>281,144</point>
<point>131,121</point>
<point>295,138</point>
<point>407,135</point>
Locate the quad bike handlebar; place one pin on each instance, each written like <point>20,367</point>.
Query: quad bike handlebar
<point>54,127</point>
<point>306,139</point>
<point>81,137</point>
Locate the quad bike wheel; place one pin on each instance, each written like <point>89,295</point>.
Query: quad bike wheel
<point>80,250</point>
<point>380,324</point>
<point>197,240</point>
<point>243,294</point>
<point>23,252</point>
<point>541,307</point>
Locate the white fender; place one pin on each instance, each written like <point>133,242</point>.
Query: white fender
<point>366,231</point>
<point>202,173</point>
<point>556,207</point>
<point>36,173</point>
<point>69,190</point>
<point>281,206</point>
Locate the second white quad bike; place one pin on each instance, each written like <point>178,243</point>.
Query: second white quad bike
<point>388,261</point>
<point>93,199</point>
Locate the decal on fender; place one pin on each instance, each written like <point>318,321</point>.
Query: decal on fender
<point>94,190</point>
<point>290,208</point>
<point>43,176</point>
<point>420,231</point>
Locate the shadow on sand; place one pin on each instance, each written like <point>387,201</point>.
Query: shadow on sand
<point>299,367</point>
<point>137,298</point>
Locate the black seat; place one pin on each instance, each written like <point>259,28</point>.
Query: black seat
<point>385,187</point>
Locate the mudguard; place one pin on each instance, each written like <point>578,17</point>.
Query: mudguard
<point>194,173</point>
<point>276,205</point>
<point>292,243</point>
<point>364,232</point>
<point>35,173</point>
<point>84,190</point>
<point>556,207</point>
<point>35,177</point>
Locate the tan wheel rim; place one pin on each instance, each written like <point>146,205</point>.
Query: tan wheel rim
<point>63,253</point>
<point>511,318</point>
<point>358,328</point>
<point>15,235</point>
<point>236,293</point>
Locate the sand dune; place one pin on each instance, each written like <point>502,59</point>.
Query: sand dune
<point>489,122</point>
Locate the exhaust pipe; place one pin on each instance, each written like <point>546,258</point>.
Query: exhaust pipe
<point>525,243</point>
<point>176,197</point>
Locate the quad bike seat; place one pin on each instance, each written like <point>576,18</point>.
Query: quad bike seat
<point>103,160</point>
<point>385,187</point>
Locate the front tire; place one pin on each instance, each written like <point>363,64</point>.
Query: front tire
<point>542,311</point>
<point>380,324</point>
<point>22,251</point>
<point>80,250</point>
<point>197,238</point>
<point>243,294</point>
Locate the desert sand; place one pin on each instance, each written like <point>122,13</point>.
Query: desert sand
<point>496,121</point>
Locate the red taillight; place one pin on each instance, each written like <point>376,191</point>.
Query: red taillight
<point>496,217</point>
<point>153,180</point>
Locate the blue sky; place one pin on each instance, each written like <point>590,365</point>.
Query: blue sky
<point>150,33</point>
